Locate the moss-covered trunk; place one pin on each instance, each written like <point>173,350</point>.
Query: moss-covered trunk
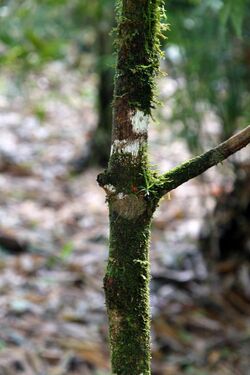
<point>127,294</point>
<point>126,282</point>
<point>126,183</point>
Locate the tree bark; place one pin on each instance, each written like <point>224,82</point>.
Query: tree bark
<point>126,282</point>
<point>132,189</point>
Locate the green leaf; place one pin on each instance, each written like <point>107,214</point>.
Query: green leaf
<point>66,250</point>
<point>225,13</point>
<point>237,16</point>
<point>233,12</point>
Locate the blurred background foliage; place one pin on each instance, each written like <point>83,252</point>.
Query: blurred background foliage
<point>205,99</point>
<point>207,58</point>
<point>210,58</point>
<point>33,33</point>
<point>207,61</point>
<point>208,52</point>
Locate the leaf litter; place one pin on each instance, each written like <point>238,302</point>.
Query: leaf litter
<point>54,243</point>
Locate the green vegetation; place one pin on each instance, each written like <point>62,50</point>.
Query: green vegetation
<point>212,76</point>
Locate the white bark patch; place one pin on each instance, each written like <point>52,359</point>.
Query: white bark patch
<point>109,188</point>
<point>130,147</point>
<point>130,207</point>
<point>140,122</point>
<point>121,196</point>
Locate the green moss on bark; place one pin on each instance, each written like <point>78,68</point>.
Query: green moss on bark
<point>126,282</point>
<point>126,171</point>
<point>188,170</point>
<point>127,294</point>
<point>128,183</point>
<point>138,42</point>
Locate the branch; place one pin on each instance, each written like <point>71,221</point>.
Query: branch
<point>199,164</point>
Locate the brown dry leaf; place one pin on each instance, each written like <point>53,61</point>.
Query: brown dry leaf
<point>204,324</point>
<point>165,329</point>
<point>228,266</point>
<point>90,352</point>
<point>52,355</point>
<point>240,303</point>
<point>15,359</point>
<point>28,264</point>
<point>214,357</point>
<point>166,369</point>
<point>36,298</point>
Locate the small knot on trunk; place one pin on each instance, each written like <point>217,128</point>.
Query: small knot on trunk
<point>103,179</point>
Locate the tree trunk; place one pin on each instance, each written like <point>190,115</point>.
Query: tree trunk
<point>133,190</point>
<point>126,287</point>
<point>98,148</point>
<point>126,282</point>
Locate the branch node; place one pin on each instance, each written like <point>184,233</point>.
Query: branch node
<point>103,179</point>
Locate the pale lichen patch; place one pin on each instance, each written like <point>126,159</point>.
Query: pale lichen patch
<point>115,320</point>
<point>140,122</point>
<point>121,196</point>
<point>132,148</point>
<point>130,207</point>
<point>110,189</point>
<point>126,146</point>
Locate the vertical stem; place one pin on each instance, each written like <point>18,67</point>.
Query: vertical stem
<point>127,295</point>
<point>101,142</point>
<point>126,282</point>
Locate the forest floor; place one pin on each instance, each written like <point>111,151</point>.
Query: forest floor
<point>54,236</point>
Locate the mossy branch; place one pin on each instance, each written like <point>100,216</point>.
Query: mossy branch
<point>199,164</point>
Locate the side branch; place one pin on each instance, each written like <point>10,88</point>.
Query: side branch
<point>199,164</point>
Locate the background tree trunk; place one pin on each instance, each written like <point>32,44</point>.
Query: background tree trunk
<point>98,149</point>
